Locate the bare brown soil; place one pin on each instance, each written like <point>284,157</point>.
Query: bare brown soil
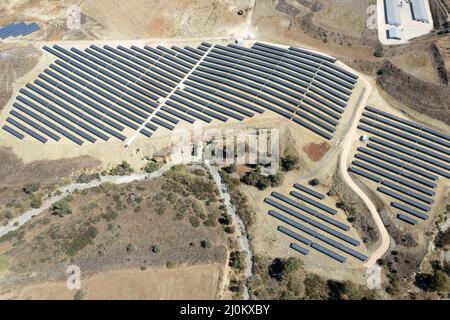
<point>14,171</point>
<point>131,284</point>
<point>316,151</point>
<point>157,223</point>
<point>15,62</point>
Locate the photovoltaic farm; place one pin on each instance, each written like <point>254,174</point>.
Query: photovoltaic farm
<point>15,30</point>
<point>107,93</point>
<point>312,224</point>
<point>405,159</point>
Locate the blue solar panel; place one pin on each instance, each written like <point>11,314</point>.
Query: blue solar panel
<point>35,125</point>
<point>26,130</point>
<point>319,225</point>
<point>317,235</point>
<point>408,159</point>
<point>314,203</point>
<point>409,138</point>
<point>66,115</point>
<point>55,118</point>
<point>404,199</point>
<point>399,172</point>
<point>296,247</point>
<point>409,123</point>
<point>404,143</point>
<point>309,191</point>
<point>365,174</point>
<point>294,235</point>
<point>328,252</point>
<point>13,132</point>
<point>409,210</point>
<point>401,165</point>
<point>45,121</point>
<point>392,177</point>
<point>311,211</point>
<point>405,128</point>
<point>405,218</point>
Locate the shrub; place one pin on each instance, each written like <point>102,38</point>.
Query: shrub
<point>36,202</point>
<point>151,166</point>
<point>82,237</point>
<point>121,170</point>
<point>86,178</point>
<point>229,229</point>
<point>7,214</point>
<point>195,221</point>
<point>206,244</point>
<point>60,208</point>
<point>156,249</point>
<point>79,295</point>
<point>379,53</point>
<point>314,182</point>
<point>443,239</point>
<point>237,260</point>
<point>31,188</point>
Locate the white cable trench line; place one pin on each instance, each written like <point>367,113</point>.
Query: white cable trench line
<point>167,98</point>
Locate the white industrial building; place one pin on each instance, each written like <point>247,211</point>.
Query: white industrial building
<point>392,12</point>
<point>394,33</point>
<point>419,11</point>
<point>401,20</point>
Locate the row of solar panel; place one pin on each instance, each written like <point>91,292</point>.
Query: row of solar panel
<point>18,29</point>
<point>270,100</point>
<point>232,58</point>
<point>135,84</point>
<point>87,101</point>
<point>256,60</point>
<point>409,150</point>
<point>318,236</point>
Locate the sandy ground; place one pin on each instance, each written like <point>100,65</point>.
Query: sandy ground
<point>349,17</point>
<point>191,283</point>
<point>417,63</point>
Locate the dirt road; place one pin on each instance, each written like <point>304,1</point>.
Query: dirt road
<point>347,143</point>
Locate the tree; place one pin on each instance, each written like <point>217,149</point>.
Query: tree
<point>436,282</point>
<point>289,162</point>
<point>314,182</point>
<point>284,268</point>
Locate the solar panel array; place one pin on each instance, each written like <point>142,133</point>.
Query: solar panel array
<point>406,159</point>
<point>96,93</point>
<point>17,29</point>
<point>314,224</point>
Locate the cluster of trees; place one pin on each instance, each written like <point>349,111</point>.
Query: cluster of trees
<point>437,281</point>
<point>283,268</point>
<point>257,179</point>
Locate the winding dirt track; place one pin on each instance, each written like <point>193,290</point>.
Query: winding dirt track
<point>347,143</point>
